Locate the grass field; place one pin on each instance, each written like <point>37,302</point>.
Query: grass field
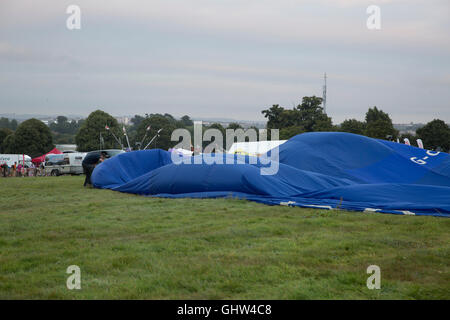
<point>137,247</point>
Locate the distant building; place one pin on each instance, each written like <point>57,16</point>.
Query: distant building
<point>123,120</point>
<point>409,128</point>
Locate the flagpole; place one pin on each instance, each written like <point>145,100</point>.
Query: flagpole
<point>156,135</point>
<point>120,144</point>
<point>145,135</point>
<point>128,141</point>
<point>151,141</point>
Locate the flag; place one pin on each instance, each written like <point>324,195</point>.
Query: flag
<point>406,140</point>
<point>420,143</point>
<point>106,127</point>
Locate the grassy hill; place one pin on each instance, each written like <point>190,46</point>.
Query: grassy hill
<point>130,246</point>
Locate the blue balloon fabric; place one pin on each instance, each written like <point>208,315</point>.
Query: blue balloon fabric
<point>329,170</point>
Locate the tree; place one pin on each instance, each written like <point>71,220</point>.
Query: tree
<point>61,119</point>
<point>234,126</point>
<point>32,137</point>
<point>381,129</point>
<point>289,132</point>
<point>379,125</point>
<point>435,134</point>
<point>324,124</point>
<point>256,130</point>
<point>88,136</point>
<point>353,126</point>
<point>4,132</point>
<point>63,126</point>
<point>306,117</point>
<point>375,114</point>
<point>63,138</point>
<point>217,126</point>
<point>311,111</point>
<point>170,117</point>
<point>131,130</point>
<point>5,123</point>
<point>281,118</point>
<point>186,121</point>
<point>136,120</point>
<point>274,115</point>
<point>13,124</point>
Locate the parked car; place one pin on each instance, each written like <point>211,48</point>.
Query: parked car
<point>110,152</point>
<point>66,163</point>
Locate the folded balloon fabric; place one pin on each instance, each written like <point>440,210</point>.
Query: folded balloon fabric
<point>326,170</point>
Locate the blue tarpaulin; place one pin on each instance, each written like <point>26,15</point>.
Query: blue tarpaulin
<point>319,170</point>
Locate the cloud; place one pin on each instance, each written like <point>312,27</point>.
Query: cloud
<point>17,54</point>
<point>249,53</point>
<point>323,21</point>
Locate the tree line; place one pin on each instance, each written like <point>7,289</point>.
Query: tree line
<point>94,135</point>
<point>309,116</point>
<point>101,130</point>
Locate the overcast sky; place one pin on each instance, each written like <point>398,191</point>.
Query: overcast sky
<point>225,58</point>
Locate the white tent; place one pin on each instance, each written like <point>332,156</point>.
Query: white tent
<point>254,148</point>
<point>9,159</point>
<point>181,151</point>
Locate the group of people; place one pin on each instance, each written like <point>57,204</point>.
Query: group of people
<point>19,170</point>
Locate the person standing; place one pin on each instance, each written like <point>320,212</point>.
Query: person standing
<point>4,167</point>
<point>89,163</point>
<point>14,167</point>
<point>35,169</point>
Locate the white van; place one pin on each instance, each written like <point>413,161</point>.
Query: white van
<point>66,163</point>
<point>9,159</point>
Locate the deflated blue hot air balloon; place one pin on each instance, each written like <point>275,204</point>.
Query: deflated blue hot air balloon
<point>319,169</point>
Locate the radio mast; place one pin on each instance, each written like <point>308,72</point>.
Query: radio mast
<point>324,94</point>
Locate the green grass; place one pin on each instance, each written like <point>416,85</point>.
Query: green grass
<point>133,247</point>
